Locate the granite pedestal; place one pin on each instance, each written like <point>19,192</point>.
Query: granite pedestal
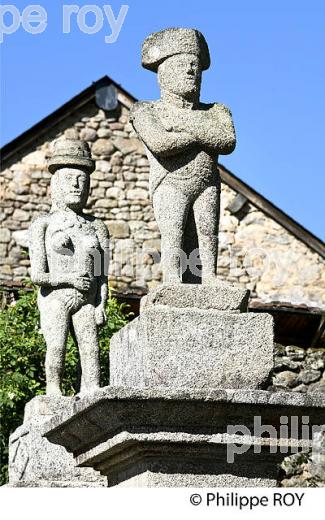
<point>173,438</point>
<point>34,461</point>
<point>185,406</point>
<point>194,337</point>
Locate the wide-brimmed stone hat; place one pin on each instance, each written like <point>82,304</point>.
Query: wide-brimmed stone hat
<point>163,44</point>
<point>71,152</point>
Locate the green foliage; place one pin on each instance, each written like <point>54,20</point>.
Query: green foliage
<point>22,357</point>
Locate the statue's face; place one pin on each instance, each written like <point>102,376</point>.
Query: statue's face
<point>181,75</point>
<point>70,188</point>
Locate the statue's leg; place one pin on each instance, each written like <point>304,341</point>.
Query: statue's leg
<point>171,209</point>
<point>206,212</point>
<point>85,329</point>
<point>55,326</point>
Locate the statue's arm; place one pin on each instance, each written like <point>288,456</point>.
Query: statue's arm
<point>40,274</point>
<point>37,252</point>
<point>155,136</point>
<point>103,237</point>
<point>217,132</point>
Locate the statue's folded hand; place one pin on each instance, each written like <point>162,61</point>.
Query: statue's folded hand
<point>81,283</point>
<point>100,315</point>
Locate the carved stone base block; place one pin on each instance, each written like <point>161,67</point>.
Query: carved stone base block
<point>34,461</point>
<point>221,297</point>
<point>183,339</point>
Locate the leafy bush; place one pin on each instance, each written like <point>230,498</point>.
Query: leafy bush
<point>22,357</point>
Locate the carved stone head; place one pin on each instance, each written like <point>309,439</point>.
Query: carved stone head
<point>71,165</point>
<point>179,56</point>
<point>70,188</point>
<point>181,75</point>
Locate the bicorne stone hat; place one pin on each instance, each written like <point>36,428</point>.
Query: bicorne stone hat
<point>71,153</point>
<point>163,44</point>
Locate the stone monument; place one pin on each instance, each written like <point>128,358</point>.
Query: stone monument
<point>188,335</point>
<point>187,402</point>
<point>183,138</point>
<point>69,261</point>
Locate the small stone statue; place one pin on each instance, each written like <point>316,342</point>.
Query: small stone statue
<point>183,139</point>
<point>69,261</point>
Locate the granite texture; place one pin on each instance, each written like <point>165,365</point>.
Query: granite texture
<point>164,44</point>
<point>318,456</point>
<point>157,477</point>
<point>307,468</point>
<point>183,139</point>
<point>34,461</point>
<point>222,297</point>
<point>192,348</point>
<point>68,252</point>
<point>163,437</point>
<point>71,153</point>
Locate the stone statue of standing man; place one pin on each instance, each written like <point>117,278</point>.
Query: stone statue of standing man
<point>69,261</point>
<point>183,138</point>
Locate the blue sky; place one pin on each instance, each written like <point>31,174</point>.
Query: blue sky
<point>267,65</point>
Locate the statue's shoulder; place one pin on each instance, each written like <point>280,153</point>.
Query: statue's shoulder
<point>97,223</point>
<point>39,226</point>
<point>40,221</point>
<point>100,227</point>
<point>141,107</point>
<point>219,108</point>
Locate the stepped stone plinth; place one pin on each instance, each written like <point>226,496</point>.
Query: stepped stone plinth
<point>177,438</point>
<point>184,407</point>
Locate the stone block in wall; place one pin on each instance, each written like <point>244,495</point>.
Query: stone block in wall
<point>106,203</point>
<point>152,244</point>
<point>4,235</point>
<point>37,158</point>
<point>104,133</point>
<point>103,166</point>
<point>118,229</point>
<point>128,145</point>
<point>21,181</point>
<point>115,193</point>
<point>21,215</point>
<point>88,134</point>
<point>3,249</point>
<point>137,194</point>
<point>103,147</point>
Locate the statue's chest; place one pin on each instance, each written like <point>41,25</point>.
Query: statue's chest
<point>172,120</point>
<point>71,239</point>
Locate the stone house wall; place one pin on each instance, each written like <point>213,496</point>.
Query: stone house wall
<point>298,370</point>
<point>254,250</point>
